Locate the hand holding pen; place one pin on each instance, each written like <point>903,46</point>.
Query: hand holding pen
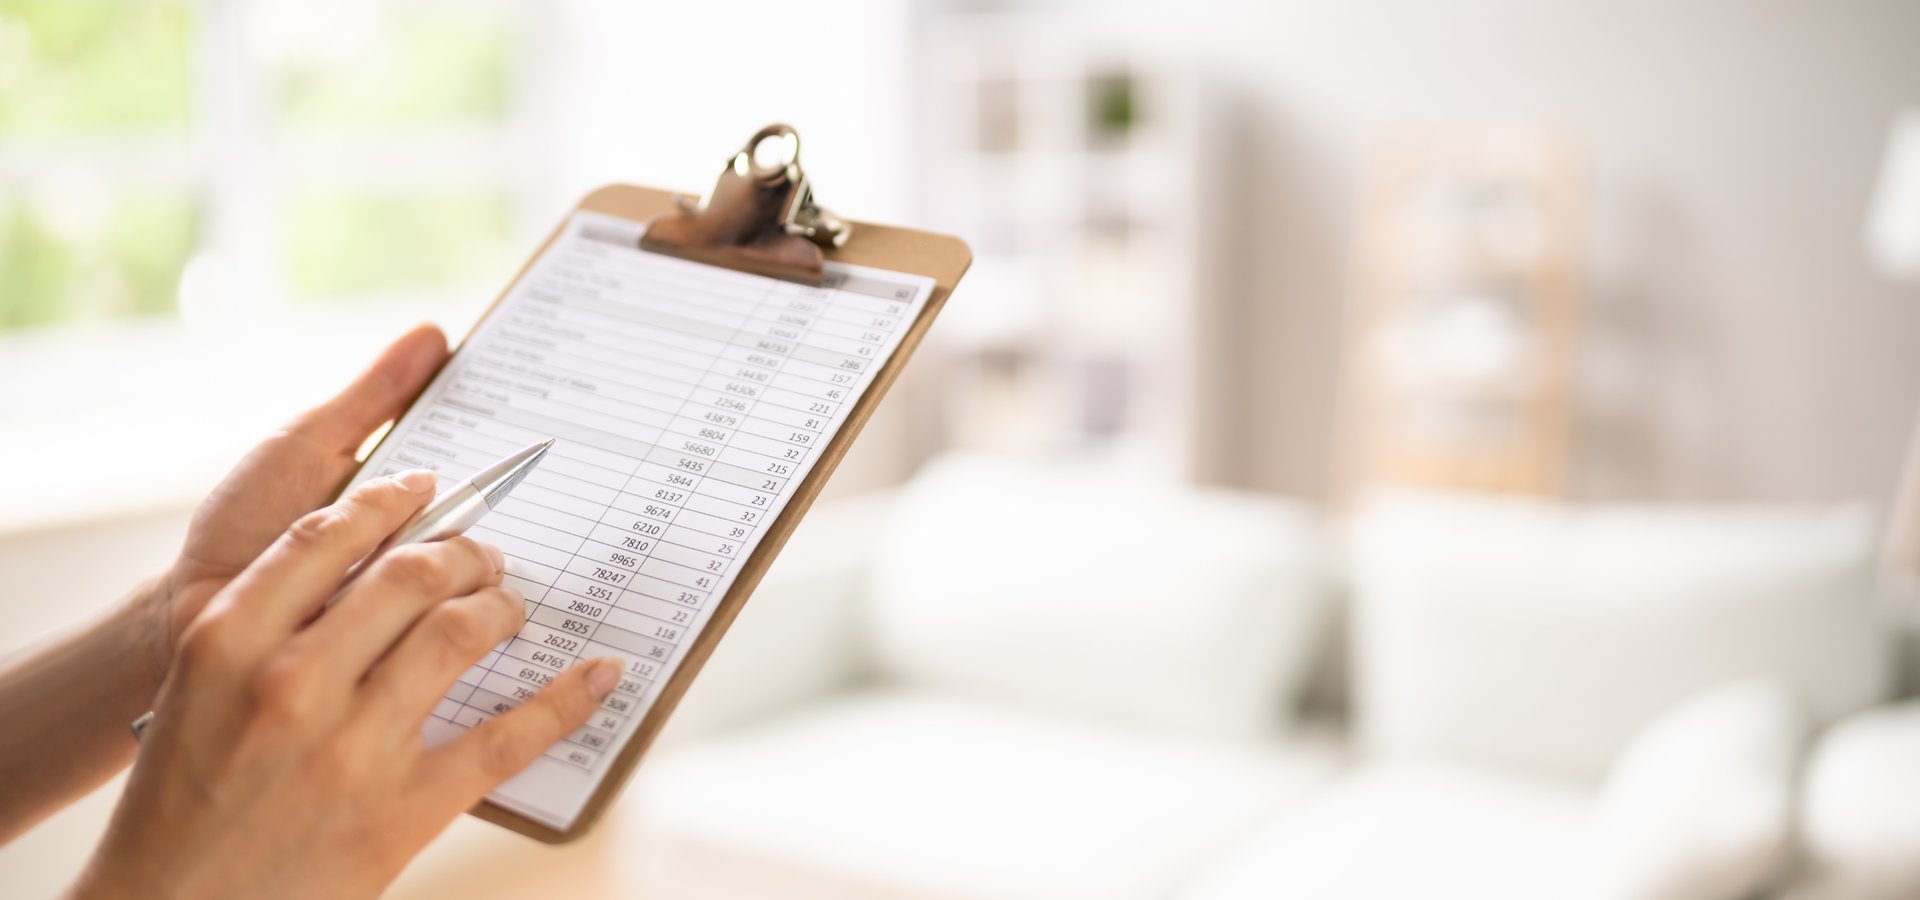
<point>451,513</point>
<point>287,745</point>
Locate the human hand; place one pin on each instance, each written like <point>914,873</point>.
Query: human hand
<point>286,759</point>
<point>289,474</point>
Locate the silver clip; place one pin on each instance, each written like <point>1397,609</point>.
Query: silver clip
<point>760,216</point>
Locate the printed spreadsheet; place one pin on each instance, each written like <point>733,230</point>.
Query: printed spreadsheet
<point>687,403</point>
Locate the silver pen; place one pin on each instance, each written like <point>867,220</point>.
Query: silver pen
<point>457,509</point>
<point>452,512</point>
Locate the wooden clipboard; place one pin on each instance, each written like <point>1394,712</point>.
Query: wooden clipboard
<point>754,240</point>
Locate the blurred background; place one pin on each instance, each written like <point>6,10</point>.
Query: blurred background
<point>1462,443</point>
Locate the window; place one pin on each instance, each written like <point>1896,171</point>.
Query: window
<point>98,211</point>
<point>183,158</point>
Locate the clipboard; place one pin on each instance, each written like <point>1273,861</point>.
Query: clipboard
<point>761,218</point>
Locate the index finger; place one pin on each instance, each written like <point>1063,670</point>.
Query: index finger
<point>290,581</point>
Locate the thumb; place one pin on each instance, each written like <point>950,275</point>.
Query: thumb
<point>379,395</point>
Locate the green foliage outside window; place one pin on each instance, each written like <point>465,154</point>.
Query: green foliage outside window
<point>79,66</point>
<point>128,266</point>
<point>421,69</point>
<point>74,245</point>
<point>343,245</point>
<point>98,110</point>
<point>426,67</point>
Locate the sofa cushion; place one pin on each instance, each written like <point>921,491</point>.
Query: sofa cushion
<point>909,794</point>
<point>1860,810</point>
<point>1540,635</point>
<point>1435,831</point>
<point>1700,806</point>
<point>1158,604</point>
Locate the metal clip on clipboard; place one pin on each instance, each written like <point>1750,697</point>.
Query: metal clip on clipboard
<point>760,217</point>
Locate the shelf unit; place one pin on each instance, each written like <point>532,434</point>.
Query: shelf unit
<point>1074,164</point>
<point>1461,366</point>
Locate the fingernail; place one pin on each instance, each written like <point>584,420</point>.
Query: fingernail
<point>498,558</point>
<point>419,481</point>
<point>518,599</point>
<point>603,676</point>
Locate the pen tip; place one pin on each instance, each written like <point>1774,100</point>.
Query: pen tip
<point>496,481</point>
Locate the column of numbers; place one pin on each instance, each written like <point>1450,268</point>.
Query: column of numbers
<point>562,626</point>
<point>690,509</point>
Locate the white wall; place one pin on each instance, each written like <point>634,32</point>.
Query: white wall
<point>1737,344</point>
<point>663,93</point>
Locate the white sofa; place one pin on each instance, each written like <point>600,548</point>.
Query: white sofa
<point>1000,682</point>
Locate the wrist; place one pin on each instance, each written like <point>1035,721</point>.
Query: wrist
<point>110,875</point>
<point>149,611</point>
<point>68,702</point>
<point>94,886</point>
